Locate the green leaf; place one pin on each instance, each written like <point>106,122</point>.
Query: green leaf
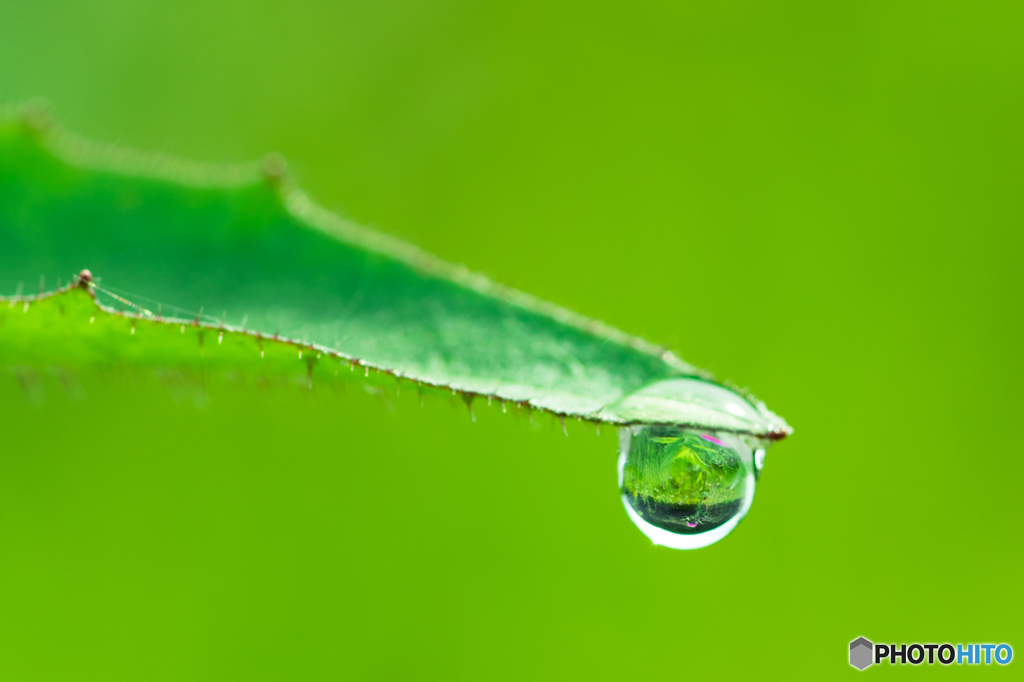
<point>235,269</point>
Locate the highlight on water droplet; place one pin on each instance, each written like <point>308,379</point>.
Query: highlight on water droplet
<point>685,488</point>
<point>759,460</point>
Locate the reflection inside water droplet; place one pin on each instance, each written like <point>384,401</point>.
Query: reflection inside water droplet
<point>685,488</point>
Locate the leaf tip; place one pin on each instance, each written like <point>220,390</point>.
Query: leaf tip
<point>38,117</point>
<point>274,169</point>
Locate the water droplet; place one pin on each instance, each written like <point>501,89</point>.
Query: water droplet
<point>91,320</point>
<point>687,400</point>
<point>685,488</point>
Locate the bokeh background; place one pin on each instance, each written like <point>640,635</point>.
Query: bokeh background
<point>822,202</point>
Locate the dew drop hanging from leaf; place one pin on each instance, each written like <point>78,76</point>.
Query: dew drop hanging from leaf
<point>686,488</point>
<point>245,240</point>
<point>687,485</point>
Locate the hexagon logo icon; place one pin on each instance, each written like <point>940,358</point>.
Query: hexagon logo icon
<point>861,653</point>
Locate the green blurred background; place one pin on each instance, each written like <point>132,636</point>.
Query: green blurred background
<point>823,202</point>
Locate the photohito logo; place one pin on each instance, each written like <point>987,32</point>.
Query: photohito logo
<point>863,653</point>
